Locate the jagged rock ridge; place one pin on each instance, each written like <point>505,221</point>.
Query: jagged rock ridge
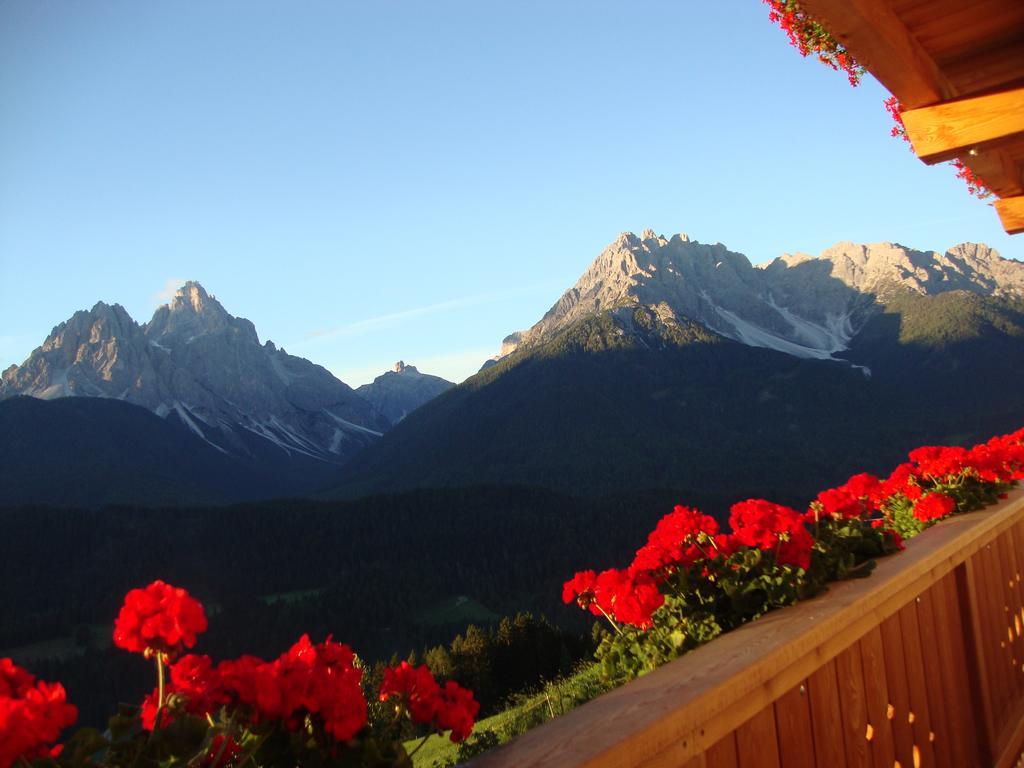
<point>196,363</point>
<point>798,304</point>
<point>402,390</point>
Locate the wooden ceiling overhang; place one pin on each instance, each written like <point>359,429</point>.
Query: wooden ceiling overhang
<point>957,67</point>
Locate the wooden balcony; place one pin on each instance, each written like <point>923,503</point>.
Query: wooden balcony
<point>920,664</point>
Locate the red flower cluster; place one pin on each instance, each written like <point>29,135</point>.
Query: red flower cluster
<point>450,708</point>
<point>630,596</point>
<point>32,715</point>
<point>681,538</point>
<point>773,528</point>
<point>895,109</point>
<point>808,36</point>
<point>316,680</point>
<point>456,711</point>
<point>975,184</point>
<point>857,497</point>
<point>580,588</point>
<point>686,539</point>
<point>159,618</point>
<point>1000,460</point>
<point>934,506</point>
<point>312,688</point>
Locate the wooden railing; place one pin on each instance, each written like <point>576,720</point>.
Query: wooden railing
<point>920,664</point>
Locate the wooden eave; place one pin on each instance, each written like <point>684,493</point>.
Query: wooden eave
<point>958,70</point>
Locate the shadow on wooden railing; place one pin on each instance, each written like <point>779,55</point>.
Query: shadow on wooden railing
<point>920,664</point>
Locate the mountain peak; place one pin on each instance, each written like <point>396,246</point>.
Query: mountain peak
<point>192,312</point>
<point>403,389</point>
<point>401,367</point>
<point>193,297</point>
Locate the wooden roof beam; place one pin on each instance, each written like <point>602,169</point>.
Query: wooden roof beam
<point>1000,173</point>
<point>954,128</point>
<point>1011,214</point>
<point>880,41</point>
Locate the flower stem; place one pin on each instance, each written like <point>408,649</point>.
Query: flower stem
<point>252,753</point>
<point>417,747</point>
<point>159,680</point>
<point>610,619</point>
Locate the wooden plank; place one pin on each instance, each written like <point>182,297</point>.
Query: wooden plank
<point>920,717</point>
<point>962,707</point>
<point>793,724</point>
<point>898,684</point>
<point>941,734</point>
<point>1011,741</point>
<point>984,70</point>
<point>1011,214</point>
<point>722,753</point>
<point>853,703</point>
<point>756,741</point>
<point>826,716</point>
<point>876,694</point>
<point>949,129</point>
<point>971,585</point>
<point>1012,745</point>
<point>1010,588</point>
<point>1015,540</point>
<point>681,709</point>
<point>876,37</point>
<point>993,633</point>
<point>958,619</point>
<point>951,30</point>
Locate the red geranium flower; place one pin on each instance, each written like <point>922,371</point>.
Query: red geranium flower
<point>150,709</point>
<point>934,506</point>
<point>318,680</point>
<point>159,618</point>
<point>32,714</point>
<point>772,527</point>
<point>415,687</point>
<point>681,538</point>
<point>902,481</point>
<point>457,709</point>
<point>630,596</point>
<point>581,589</point>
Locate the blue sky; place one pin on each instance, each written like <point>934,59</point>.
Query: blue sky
<point>381,180</point>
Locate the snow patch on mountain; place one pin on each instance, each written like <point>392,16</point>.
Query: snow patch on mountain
<point>797,304</point>
<point>196,362</point>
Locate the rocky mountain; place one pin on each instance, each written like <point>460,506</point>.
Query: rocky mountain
<point>681,366</point>
<point>195,364</point>
<point>400,391</point>
<point>798,304</point>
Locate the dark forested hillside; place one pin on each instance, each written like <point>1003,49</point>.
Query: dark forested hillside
<point>612,405</point>
<point>386,574</point>
<point>91,451</point>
